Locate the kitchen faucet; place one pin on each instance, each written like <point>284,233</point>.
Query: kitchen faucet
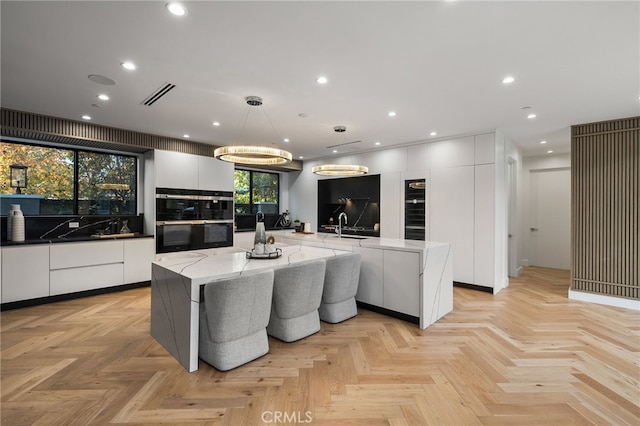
<point>339,228</point>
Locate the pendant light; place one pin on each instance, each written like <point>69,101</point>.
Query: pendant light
<point>253,154</point>
<point>340,169</point>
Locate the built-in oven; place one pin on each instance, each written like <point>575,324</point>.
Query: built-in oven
<point>193,219</point>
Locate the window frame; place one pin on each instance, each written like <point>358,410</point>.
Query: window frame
<point>252,206</point>
<point>76,191</point>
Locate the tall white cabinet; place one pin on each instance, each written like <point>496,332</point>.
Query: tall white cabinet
<point>465,196</point>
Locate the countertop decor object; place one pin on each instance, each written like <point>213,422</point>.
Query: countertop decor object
<point>17,223</point>
<point>266,255</point>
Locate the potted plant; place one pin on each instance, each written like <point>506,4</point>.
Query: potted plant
<point>296,225</point>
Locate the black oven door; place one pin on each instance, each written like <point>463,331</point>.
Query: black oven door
<point>172,237</point>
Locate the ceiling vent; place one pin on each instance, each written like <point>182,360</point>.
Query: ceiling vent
<point>155,96</point>
<point>351,144</point>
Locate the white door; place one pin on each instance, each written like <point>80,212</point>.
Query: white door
<point>550,226</point>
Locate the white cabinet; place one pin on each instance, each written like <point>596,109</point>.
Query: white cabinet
<point>86,266</point>
<point>485,148</point>
<point>371,286</point>
<point>25,272</point>
<point>484,246</point>
<point>452,216</point>
<point>138,255</point>
<point>71,255</point>
<point>86,278</point>
<point>188,171</point>
<point>402,282</point>
<point>215,175</point>
<point>175,169</point>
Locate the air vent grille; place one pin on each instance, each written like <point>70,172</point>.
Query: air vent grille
<point>346,144</point>
<point>155,96</point>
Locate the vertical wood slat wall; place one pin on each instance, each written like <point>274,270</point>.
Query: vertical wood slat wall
<point>605,206</point>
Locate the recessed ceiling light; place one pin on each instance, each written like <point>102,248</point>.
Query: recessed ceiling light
<point>215,123</point>
<point>392,114</point>
<point>543,142</point>
<point>128,65</point>
<point>286,139</point>
<point>86,117</point>
<point>335,151</point>
<point>301,157</point>
<point>103,97</point>
<point>377,143</point>
<point>322,80</point>
<point>176,9</point>
<point>508,79</point>
<point>186,136</point>
<point>550,151</point>
<point>531,116</point>
<point>433,133</point>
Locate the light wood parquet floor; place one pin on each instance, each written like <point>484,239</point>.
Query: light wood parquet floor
<point>526,356</point>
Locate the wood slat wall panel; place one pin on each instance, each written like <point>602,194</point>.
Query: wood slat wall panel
<point>37,127</point>
<point>605,185</point>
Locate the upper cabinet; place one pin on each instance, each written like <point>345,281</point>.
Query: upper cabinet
<point>215,175</point>
<point>175,169</point>
<point>188,171</point>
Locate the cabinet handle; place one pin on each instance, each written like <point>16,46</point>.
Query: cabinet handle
<point>533,229</point>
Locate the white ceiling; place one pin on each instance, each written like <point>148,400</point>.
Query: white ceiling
<point>438,64</point>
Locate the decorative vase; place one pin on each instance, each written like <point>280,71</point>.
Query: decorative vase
<point>261,235</point>
<point>17,223</point>
<point>125,229</point>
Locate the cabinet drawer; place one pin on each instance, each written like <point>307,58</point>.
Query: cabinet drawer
<point>72,255</point>
<point>85,278</point>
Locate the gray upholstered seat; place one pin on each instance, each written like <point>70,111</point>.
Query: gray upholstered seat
<point>233,320</point>
<point>297,291</point>
<point>340,287</point>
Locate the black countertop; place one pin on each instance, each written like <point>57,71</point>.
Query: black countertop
<point>72,240</point>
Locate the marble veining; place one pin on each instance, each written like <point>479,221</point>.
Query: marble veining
<point>175,290</point>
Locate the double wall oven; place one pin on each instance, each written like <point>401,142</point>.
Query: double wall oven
<point>193,219</point>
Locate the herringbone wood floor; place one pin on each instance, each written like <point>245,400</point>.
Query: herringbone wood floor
<point>526,356</point>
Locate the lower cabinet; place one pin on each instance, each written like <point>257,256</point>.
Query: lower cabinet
<point>138,255</point>
<point>402,282</point>
<point>25,273</point>
<point>371,286</point>
<point>86,278</point>
<point>42,270</point>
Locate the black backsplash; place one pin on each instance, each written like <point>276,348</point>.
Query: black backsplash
<point>57,227</point>
<point>358,197</point>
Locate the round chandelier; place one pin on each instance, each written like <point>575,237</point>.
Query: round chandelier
<point>256,155</point>
<point>340,170</point>
<point>253,154</point>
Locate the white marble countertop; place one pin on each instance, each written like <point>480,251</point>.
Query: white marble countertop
<point>372,242</point>
<point>202,266</point>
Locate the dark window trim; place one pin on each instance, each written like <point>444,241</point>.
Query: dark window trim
<point>251,172</point>
<point>75,151</point>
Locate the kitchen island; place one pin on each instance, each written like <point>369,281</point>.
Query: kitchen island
<point>175,289</point>
<point>409,279</point>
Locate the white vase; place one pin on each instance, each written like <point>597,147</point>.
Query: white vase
<point>17,223</point>
<point>261,236</point>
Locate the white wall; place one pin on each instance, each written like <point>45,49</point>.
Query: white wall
<point>466,198</point>
<point>529,164</point>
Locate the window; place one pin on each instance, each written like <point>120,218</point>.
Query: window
<point>70,181</point>
<point>256,192</point>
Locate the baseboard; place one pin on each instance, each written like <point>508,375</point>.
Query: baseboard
<point>388,312</point>
<point>473,287</point>
<point>69,296</point>
<point>601,299</point>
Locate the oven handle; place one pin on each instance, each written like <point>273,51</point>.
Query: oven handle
<point>194,197</point>
<point>191,222</point>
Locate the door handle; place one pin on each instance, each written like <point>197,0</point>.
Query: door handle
<point>533,229</point>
